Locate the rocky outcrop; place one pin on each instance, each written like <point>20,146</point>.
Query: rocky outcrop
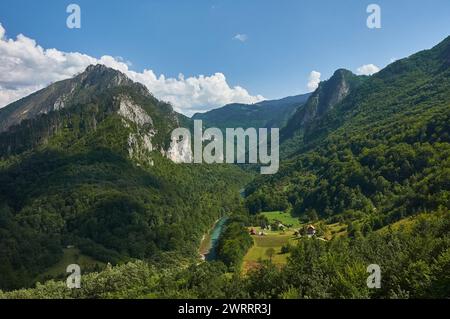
<point>133,112</point>
<point>180,151</point>
<point>136,119</point>
<point>329,94</point>
<point>140,146</point>
<point>82,104</point>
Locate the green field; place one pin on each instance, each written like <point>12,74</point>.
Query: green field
<point>273,239</point>
<point>283,217</point>
<point>277,239</point>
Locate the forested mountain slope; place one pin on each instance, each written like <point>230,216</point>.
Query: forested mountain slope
<point>381,153</point>
<point>94,173</point>
<point>365,151</point>
<point>322,101</point>
<point>414,264</point>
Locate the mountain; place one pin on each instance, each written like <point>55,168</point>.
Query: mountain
<point>376,153</point>
<point>366,161</point>
<point>327,95</point>
<point>322,100</point>
<point>88,162</point>
<point>63,94</point>
<point>79,104</point>
<point>274,113</point>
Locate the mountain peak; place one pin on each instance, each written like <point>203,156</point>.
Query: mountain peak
<point>329,93</point>
<point>79,89</point>
<point>341,76</point>
<point>97,67</point>
<point>333,91</point>
<point>101,69</point>
<point>99,74</point>
<point>343,72</point>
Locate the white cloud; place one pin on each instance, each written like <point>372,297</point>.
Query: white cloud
<point>241,37</point>
<point>367,69</point>
<point>26,67</point>
<point>2,31</point>
<point>313,81</point>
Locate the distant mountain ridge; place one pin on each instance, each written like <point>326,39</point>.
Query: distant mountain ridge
<point>271,113</point>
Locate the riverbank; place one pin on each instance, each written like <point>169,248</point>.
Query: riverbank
<point>210,239</point>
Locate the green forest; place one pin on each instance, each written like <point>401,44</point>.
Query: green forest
<point>80,188</point>
<point>370,154</point>
<point>415,264</point>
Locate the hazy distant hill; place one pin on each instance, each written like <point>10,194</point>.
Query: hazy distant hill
<point>264,114</point>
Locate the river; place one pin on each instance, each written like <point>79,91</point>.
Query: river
<point>208,245</point>
<point>211,240</point>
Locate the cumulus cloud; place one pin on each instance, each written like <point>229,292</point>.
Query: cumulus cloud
<point>241,37</point>
<point>367,69</point>
<point>2,31</point>
<point>26,67</point>
<point>313,81</point>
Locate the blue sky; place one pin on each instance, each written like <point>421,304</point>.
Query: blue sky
<point>285,40</point>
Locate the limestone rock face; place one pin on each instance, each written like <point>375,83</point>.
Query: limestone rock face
<point>140,143</point>
<point>140,146</point>
<point>133,112</point>
<point>329,94</point>
<point>180,151</point>
<point>81,104</point>
<point>136,119</point>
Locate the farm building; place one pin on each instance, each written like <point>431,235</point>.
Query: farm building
<point>310,230</point>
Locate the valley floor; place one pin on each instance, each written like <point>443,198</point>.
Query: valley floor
<point>276,240</point>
